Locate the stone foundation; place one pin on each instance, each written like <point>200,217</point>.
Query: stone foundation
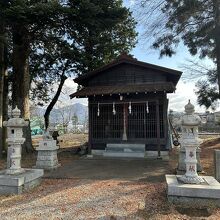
<point>16,184</point>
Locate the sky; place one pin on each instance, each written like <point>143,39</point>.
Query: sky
<point>143,52</point>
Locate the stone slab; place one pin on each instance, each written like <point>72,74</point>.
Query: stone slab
<point>16,184</point>
<point>123,154</point>
<point>127,145</point>
<point>210,190</point>
<point>146,154</point>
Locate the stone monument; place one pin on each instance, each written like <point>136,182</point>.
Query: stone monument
<point>47,153</point>
<point>191,187</point>
<point>15,180</point>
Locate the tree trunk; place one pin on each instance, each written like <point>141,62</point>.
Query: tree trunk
<point>21,79</point>
<point>2,72</point>
<point>216,7</point>
<point>5,109</point>
<point>54,100</point>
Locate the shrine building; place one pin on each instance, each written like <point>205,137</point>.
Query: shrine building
<point>128,107</point>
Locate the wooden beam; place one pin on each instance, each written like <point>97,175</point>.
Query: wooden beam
<point>158,129</point>
<point>125,118</point>
<point>90,127</point>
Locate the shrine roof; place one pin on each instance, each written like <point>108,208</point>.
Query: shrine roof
<point>123,89</point>
<point>125,58</point>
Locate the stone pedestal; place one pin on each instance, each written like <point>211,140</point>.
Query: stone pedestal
<point>19,183</point>
<point>206,194</point>
<point>181,169</point>
<point>47,155</point>
<point>15,179</point>
<point>217,164</point>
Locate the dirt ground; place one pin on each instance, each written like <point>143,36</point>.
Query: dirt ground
<point>90,197</point>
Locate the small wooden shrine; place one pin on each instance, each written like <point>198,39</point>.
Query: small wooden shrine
<point>128,105</point>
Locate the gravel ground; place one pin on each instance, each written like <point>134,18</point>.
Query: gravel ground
<point>89,199</point>
<point>79,199</point>
<point>112,199</point>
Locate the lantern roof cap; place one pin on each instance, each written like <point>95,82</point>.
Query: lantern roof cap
<point>189,108</point>
<point>16,112</point>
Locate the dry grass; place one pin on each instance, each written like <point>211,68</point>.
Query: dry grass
<point>72,140</point>
<point>66,140</point>
<point>207,154</point>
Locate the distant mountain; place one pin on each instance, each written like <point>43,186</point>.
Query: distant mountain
<point>67,112</point>
<point>58,115</point>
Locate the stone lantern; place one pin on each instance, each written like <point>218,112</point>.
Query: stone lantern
<point>15,140</point>
<point>190,189</point>
<point>190,141</point>
<point>15,180</point>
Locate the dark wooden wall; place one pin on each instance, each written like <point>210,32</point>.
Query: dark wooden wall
<point>127,74</point>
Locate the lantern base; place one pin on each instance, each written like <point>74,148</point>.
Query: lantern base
<point>18,183</point>
<point>191,180</point>
<point>14,171</point>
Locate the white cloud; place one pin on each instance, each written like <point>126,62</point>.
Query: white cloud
<point>71,87</point>
<point>184,92</point>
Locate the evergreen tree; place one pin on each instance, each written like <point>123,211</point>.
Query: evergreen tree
<point>95,33</point>
<point>48,40</point>
<point>25,22</point>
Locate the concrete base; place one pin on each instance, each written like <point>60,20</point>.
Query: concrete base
<point>16,184</point>
<point>193,194</point>
<point>129,151</point>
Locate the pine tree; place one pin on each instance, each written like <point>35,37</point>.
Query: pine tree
<point>196,23</point>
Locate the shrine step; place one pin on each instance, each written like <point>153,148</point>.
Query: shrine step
<point>125,150</point>
<point>126,147</point>
<point>123,154</point>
